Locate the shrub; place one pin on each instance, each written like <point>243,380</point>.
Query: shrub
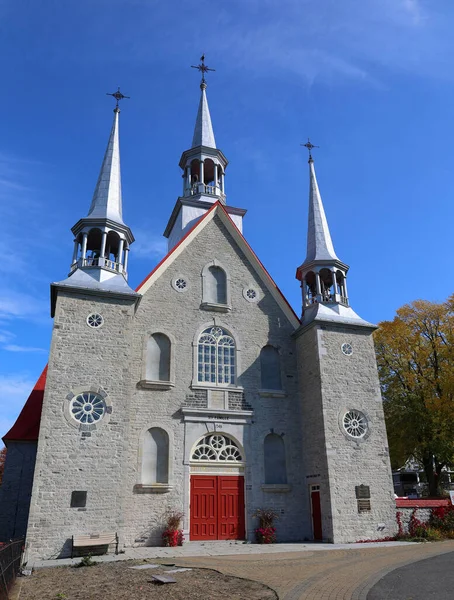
<point>266,532</point>
<point>86,561</point>
<point>172,534</point>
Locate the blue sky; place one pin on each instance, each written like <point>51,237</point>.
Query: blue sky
<point>370,81</point>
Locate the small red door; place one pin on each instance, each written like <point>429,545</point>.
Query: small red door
<point>231,508</point>
<point>203,508</point>
<point>217,507</point>
<point>316,512</point>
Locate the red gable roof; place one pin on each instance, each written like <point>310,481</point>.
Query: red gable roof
<point>26,427</point>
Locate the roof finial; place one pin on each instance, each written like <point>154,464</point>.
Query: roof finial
<point>309,146</point>
<point>203,69</point>
<point>118,96</point>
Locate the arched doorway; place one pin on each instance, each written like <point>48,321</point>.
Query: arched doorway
<point>217,489</point>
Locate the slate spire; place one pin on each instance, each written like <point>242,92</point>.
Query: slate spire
<point>107,201</point>
<point>203,130</point>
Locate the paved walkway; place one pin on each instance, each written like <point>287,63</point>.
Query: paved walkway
<point>337,574</point>
<point>295,571</point>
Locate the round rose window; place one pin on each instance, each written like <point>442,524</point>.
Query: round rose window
<point>87,407</point>
<point>355,424</point>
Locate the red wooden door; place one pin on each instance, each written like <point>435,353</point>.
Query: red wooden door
<point>203,508</point>
<point>217,507</point>
<point>231,508</point>
<point>316,513</point>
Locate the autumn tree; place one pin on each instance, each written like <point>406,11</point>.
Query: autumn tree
<point>2,463</point>
<point>415,356</point>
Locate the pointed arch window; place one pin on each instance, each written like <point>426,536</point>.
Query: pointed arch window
<point>155,457</point>
<point>158,358</point>
<point>215,287</point>
<point>270,368</point>
<point>216,357</point>
<point>275,463</point>
<point>158,368</point>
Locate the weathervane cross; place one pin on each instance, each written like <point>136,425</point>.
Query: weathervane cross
<point>309,146</point>
<point>202,67</point>
<point>118,96</point>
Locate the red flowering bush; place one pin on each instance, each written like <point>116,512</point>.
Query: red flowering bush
<point>172,535</point>
<point>416,527</point>
<point>266,532</point>
<point>442,518</point>
<point>265,535</point>
<point>400,527</point>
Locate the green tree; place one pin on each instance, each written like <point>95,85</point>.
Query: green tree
<point>415,356</point>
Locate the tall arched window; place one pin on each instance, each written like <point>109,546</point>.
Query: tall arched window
<point>270,368</point>
<point>275,464</point>
<point>216,357</point>
<point>158,358</point>
<point>155,457</point>
<point>216,286</point>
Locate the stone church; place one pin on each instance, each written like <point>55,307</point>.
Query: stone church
<point>201,390</point>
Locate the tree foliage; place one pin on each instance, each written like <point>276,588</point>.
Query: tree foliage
<point>415,356</point>
<point>2,463</point>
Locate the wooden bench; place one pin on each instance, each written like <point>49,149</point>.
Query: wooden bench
<point>94,539</point>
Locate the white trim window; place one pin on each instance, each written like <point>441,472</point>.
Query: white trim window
<point>216,362</point>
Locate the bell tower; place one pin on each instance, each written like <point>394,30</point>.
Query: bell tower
<point>203,176</point>
<point>345,455</point>
<point>102,239</point>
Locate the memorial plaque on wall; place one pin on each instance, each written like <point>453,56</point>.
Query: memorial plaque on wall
<point>362,491</point>
<point>364,506</point>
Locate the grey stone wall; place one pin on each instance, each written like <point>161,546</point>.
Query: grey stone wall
<point>16,489</point>
<point>107,463</point>
<point>349,383</point>
<point>81,359</point>
<point>253,325</point>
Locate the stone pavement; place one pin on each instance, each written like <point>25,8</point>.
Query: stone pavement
<point>294,571</point>
<point>337,574</point>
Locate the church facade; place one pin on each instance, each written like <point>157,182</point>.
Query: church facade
<point>201,391</point>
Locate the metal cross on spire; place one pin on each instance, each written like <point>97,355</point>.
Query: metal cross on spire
<point>118,96</point>
<point>309,146</point>
<point>202,67</point>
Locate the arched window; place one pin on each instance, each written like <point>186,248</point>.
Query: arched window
<point>216,357</point>
<point>275,467</point>
<point>158,358</point>
<point>270,368</point>
<point>155,457</point>
<point>215,286</point>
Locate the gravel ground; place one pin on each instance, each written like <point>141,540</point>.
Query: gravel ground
<point>117,581</point>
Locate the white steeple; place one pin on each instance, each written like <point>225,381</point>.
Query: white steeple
<point>323,276</point>
<point>102,239</point>
<point>319,243</point>
<point>203,130</point>
<point>106,201</point>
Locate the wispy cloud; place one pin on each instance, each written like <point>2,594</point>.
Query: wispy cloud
<point>15,348</point>
<point>21,305</point>
<point>149,245</point>
<point>16,388</point>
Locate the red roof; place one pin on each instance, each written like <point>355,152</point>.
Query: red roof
<point>26,427</point>
<point>421,503</point>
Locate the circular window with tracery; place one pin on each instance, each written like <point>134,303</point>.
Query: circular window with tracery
<point>250,294</point>
<point>355,424</point>
<point>95,320</point>
<point>217,448</point>
<point>347,349</point>
<point>180,284</point>
<point>87,407</point>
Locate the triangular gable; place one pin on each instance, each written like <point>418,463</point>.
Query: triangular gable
<point>254,261</point>
<point>26,427</point>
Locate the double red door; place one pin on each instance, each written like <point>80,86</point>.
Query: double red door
<point>217,507</point>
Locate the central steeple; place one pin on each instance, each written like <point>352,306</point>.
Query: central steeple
<point>203,168</point>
